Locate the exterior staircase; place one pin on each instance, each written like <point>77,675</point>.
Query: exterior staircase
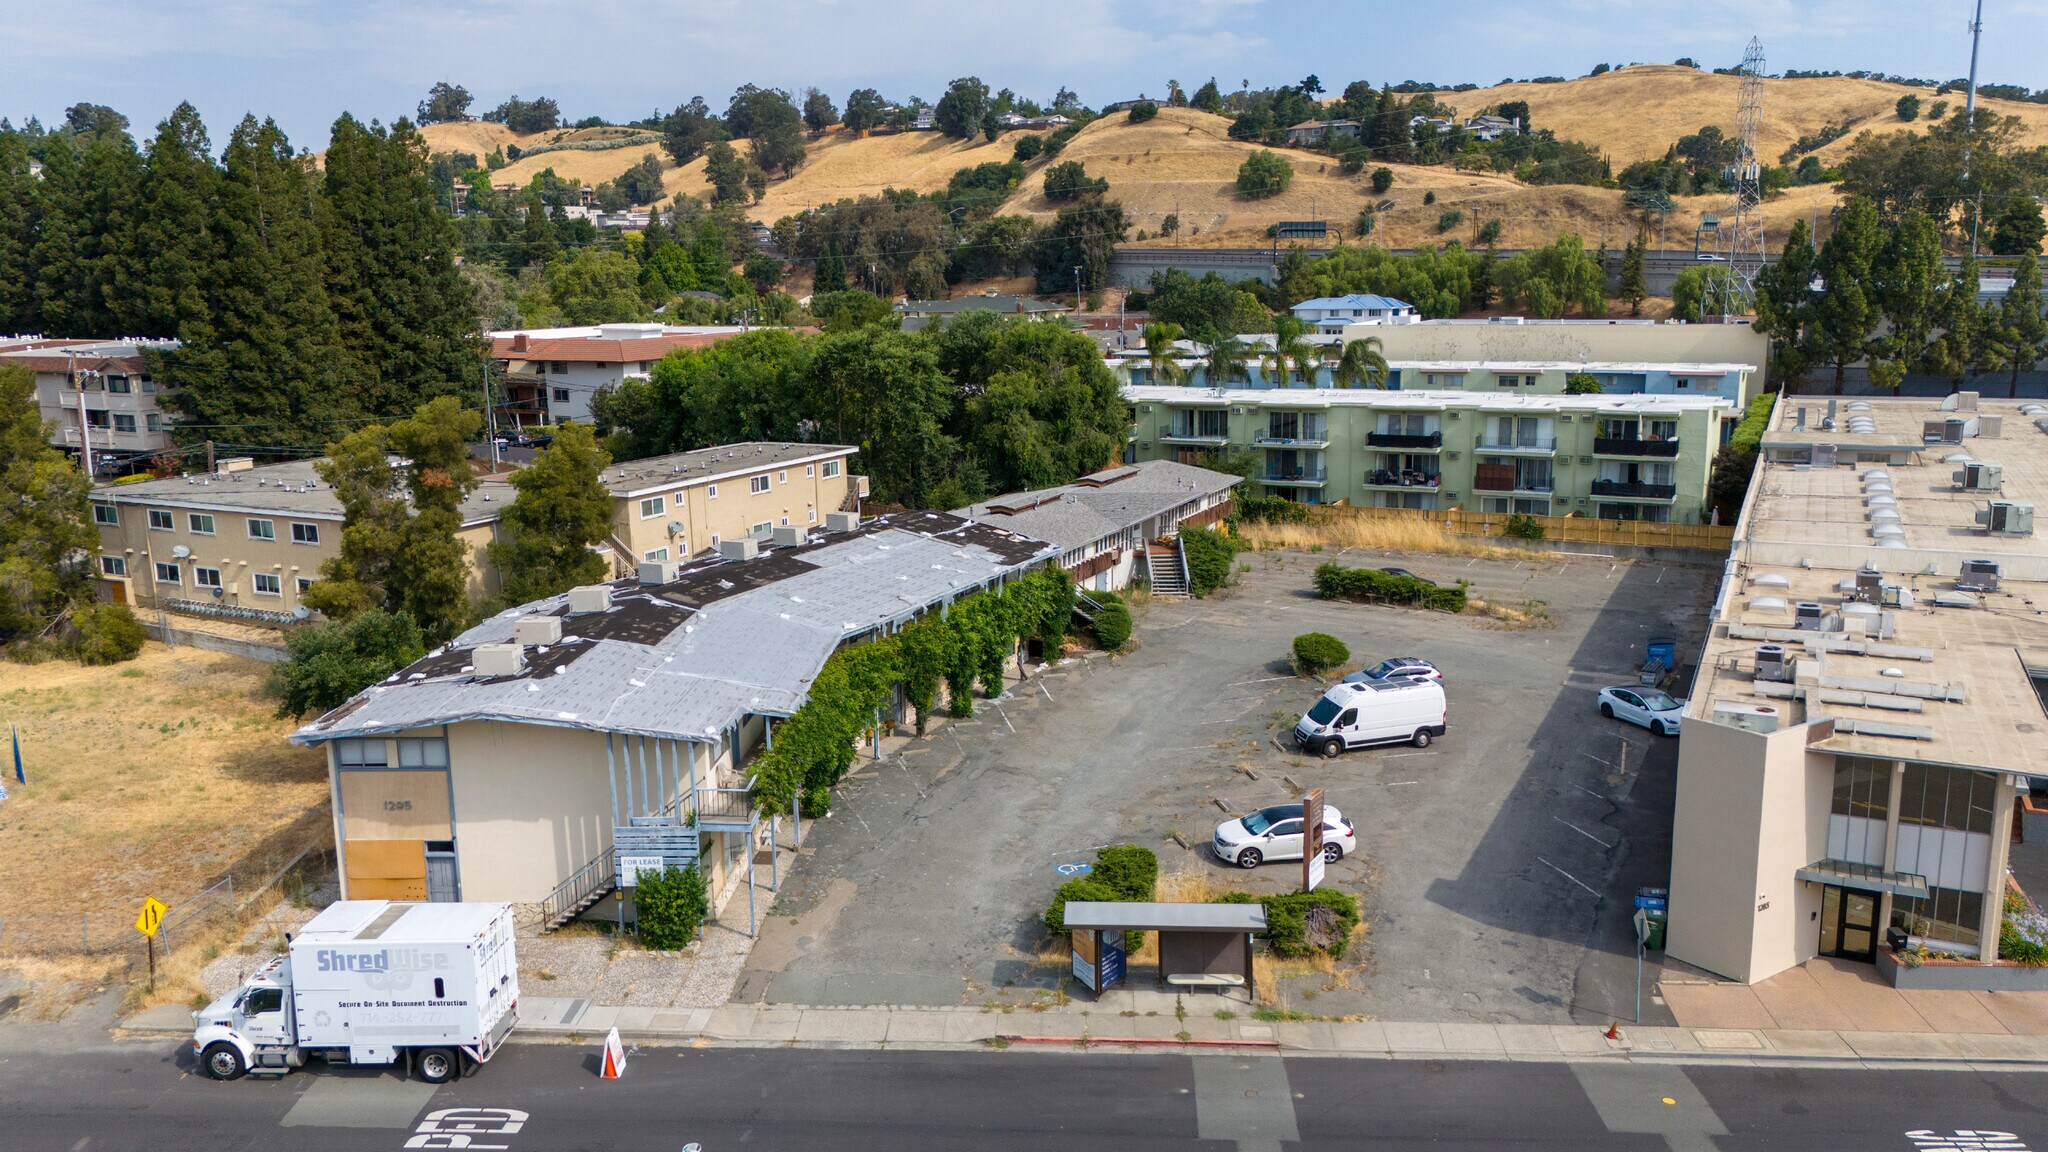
<point>659,836</point>
<point>1166,567</point>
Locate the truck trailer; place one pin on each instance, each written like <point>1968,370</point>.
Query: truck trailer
<point>435,986</point>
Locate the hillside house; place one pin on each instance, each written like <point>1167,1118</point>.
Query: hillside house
<point>1309,133</point>
<point>1491,127</point>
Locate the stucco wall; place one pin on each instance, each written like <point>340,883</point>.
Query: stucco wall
<point>532,805</point>
<point>1619,343</point>
<point>1714,832</point>
<point>799,493</point>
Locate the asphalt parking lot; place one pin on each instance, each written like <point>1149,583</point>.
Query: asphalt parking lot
<point>1495,867</point>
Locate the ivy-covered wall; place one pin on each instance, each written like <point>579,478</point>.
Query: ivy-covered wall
<point>815,747</point>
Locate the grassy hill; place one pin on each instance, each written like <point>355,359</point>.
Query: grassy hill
<point>1184,162</point>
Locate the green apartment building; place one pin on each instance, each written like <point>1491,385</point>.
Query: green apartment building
<point>1639,457</point>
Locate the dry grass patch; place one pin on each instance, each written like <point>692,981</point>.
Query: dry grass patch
<point>1510,617</point>
<point>1368,535</point>
<point>148,778</point>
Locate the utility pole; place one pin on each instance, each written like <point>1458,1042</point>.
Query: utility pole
<point>84,424</point>
<point>1077,289</point>
<point>1970,123</point>
<point>491,416</point>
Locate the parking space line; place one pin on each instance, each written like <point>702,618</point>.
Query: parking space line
<point>1568,876</point>
<point>1261,680</point>
<point>1582,831</point>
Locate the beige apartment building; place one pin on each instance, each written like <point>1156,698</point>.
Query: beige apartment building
<point>1649,342</point>
<point>1872,698</point>
<point>97,394</point>
<point>675,506</point>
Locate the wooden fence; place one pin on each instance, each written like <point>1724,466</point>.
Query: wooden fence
<point>1569,529</point>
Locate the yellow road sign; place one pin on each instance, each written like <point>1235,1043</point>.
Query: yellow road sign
<point>151,917</point>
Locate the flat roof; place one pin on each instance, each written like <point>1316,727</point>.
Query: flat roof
<point>1099,506</point>
<point>293,488</point>
<point>1593,367</point>
<point>1424,399</point>
<point>688,659</point>
<point>707,465</point>
<point>1929,672</point>
<point>64,355</point>
<point>1138,916</point>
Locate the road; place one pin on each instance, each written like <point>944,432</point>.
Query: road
<point>103,1097</point>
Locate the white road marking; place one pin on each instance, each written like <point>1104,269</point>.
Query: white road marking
<point>1399,783</point>
<point>1568,876</point>
<point>1582,832</point>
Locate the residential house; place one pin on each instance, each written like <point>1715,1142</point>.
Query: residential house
<point>245,541</point>
<point>553,743</point>
<point>674,507</point>
<point>550,374</point>
<point>1872,692</point>
<point>1103,521</point>
<point>1436,122</point>
<point>918,313</point>
<point>1611,457</point>
<point>1329,314</point>
<point>1491,127</point>
<point>97,393</point>
<point>925,122</point>
<point>1312,132</point>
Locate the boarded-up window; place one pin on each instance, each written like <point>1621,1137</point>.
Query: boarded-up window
<point>395,805</point>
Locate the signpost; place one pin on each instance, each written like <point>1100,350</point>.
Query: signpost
<point>148,921</point>
<point>1312,840</point>
<point>630,868</point>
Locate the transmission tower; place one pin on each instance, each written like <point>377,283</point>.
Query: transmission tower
<point>1745,176</point>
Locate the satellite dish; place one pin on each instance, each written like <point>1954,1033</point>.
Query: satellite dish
<point>300,613</point>
<point>181,551</point>
<point>219,592</point>
<point>675,527</point>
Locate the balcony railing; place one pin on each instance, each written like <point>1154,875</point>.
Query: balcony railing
<point>1194,435</point>
<point>1632,490</point>
<point>1539,444</point>
<point>1427,440</point>
<point>1631,446</point>
<point>725,806</point>
<point>1269,441</point>
<point>1386,478</point>
<point>1297,476</point>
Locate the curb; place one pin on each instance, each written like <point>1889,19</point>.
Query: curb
<point>1137,1042</point>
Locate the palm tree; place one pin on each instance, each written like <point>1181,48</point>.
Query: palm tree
<point>1289,351</point>
<point>1361,365</point>
<point>1161,357</point>
<point>1226,360</point>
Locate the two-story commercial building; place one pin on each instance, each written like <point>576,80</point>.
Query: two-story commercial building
<point>98,394</point>
<point>1611,457</point>
<point>1872,698</point>
<point>674,506</point>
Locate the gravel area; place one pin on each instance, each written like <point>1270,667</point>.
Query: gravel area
<point>263,939</point>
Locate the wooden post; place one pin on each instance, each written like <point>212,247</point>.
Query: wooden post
<point>151,942</point>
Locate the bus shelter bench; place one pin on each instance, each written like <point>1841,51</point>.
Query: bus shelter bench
<point>1207,980</point>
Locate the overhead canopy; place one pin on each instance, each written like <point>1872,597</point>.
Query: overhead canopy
<point>1135,917</point>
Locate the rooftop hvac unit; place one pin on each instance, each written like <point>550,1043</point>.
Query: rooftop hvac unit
<point>1773,664</point>
<point>788,536</point>
<point>654,573</point>
<point>1980,477</point>
<point>2008,518</point>
<point>537,630</point>
<point>1945,431</point>
<point>1869,585</point>
<point>588,598</point>
<point>497,659</point>
<point>1808,614</point>
<point>841,521</point>
<point>1978,576</point>
<point>1824,455</point>
<point>1990,427</point>
<point>743,549</point>
<point>1748,717</point>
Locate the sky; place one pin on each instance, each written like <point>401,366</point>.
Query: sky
<point>304,62</point>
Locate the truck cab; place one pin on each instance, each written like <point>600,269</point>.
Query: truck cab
<point>250,1029</point>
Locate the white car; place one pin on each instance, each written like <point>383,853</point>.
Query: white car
<point>1653,708</point>
<point>1409,667</point>
<point>1275,834</point>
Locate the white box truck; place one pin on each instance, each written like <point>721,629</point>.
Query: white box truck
<point>1397,710</point>
<point>373,982</point>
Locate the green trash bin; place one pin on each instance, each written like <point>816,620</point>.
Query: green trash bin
<point>1654,938</point>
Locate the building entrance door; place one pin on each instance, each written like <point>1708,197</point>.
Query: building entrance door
<point>441,884</point>
<point>1848,924</point>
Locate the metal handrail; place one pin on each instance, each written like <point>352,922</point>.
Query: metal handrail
<point>725,801</point>
<point>597,876</point>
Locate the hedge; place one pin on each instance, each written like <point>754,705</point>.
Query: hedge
<point>1372,586</point>
<point>1287,919</point>
<point>1270,510</point>
<point>668,908</point>
<point>1209,554</point>
<point>1123,872</point>
<point>1080,888</point>
<point>1112,621</point>
<point>1318,652</point>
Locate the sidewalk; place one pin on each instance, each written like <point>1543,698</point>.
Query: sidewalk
<point>556,1020</point>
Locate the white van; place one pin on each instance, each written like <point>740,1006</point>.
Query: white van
<point>1390,711</point>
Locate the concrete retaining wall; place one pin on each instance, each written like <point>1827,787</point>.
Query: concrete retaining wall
<point>248,650</point>
<point>1962,977</point>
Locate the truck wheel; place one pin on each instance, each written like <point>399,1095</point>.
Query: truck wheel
<point>223,1061</point>
<point>1332,748</point>
<point>435,1065</point>
<point>1421,739</point>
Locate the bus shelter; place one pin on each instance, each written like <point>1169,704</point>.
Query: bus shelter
<point>1200,945</point>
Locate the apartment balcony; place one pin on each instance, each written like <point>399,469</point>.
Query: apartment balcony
<point>1631,490</point>
<point>1542,446</point>
<point>728,808</point>
<point>1290,441</point>
<point>1510,484</point>
<point>1406,479</point>
<point>1193,436</point>
<point>1631,446</point>
<point>1299,478</point>
<point>1427,442</point>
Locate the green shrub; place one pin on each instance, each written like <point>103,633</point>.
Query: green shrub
<point>1264,174</point>
<point>1028,148</point>
<point>1142,111</point>
<point>1448,219</point>
<point>1523,527</point>
<point>1129,870</point>
<point>1112,621</point>
<point>107,633</point>
<point>2022,934</point>
<point>1582,384</point>
<point>1318,652</point>
<point>1289,916</point>
<point>670,907</point>
<point>1372,586</point>
<point>1489,232</point>
<point>1081,889</point>
<point>1209,554</point>
<point>1382,179</point>
<point>1270,510</point>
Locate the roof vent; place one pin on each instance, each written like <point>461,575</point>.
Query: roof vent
<point>491,660</point>
<point>654,573</point>
<point>588,598</point>
<point>1772,663</point>
<point>1768,604</point>
<point>1748,717</point>
<point>1954,600</point>
<point>1978,476</point>
<point>789,536</point>
<point>1807,614</point>
<point>537,630</point>
<point>842,521</point>
<point>1771,580</point>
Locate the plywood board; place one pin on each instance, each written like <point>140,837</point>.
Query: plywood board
<point>370,888</point>
<point>385,860</point>
<point>388,805</point>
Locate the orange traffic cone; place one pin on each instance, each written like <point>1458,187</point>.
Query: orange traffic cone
<point>1613,1031</point>
<point>614,1065</point>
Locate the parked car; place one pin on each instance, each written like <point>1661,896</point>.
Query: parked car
<point>1653,708</point>
<point>1275,833</point>
<point>1408,667</point>
<point>1397,710</point>
<point>1408,574</point>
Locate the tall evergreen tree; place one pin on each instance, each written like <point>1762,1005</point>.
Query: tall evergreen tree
<point>831,271</point>
<point>66,303</point>
<point>1784,305</point>
<point>20,211</point>
<point>545,536</point>
<point>272,367</point>
<point>43,526</point>
<point>1633,287</point>
<point>1845,314</point>
<point>2018,335</point>
<point>1909,278</point>
<point>401,305</point>
<point>1959,350</point>
<point>169,255</point>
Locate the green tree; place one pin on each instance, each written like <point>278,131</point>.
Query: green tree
<point>45,528</point>
<point>1049,410</point>
<point>1633,287</point>
<point>1291,352</point>
<point>819,114</point>
<point>1842,324</point>
<point>106,633</point>
<point>1963,323</point>
<point>401,305</point>
<point>958,113</point>
<point>1362,364</point>
<point>1162,357</point>
<point>20,213</point>
<point>1555,277</point>
<point>1696,291</point>
<point>762,271</point>
<point>2017,338</point>
<point>2018,228</point>
<point>1070,181</point>
<point>670,907</point>
<point>1784,304</point>
<point>882,390</point>
<point>1910,280</point>
<point>546,535</point>
<point>1208,98</point>
<point>327,664</point>
<point>641,184</point>
<point>1908,107</point>
<point>445,103</point>
<point>88,200</point>
<point>773,127</point>
<point>864,110</point>
<point>1142,111</point>
<point>595,287</point>
<point>726,172</point>
<point>1582,384</point>
<point>172,249</point>
<point>1225,362</point>
<point>1382,179</point>
<point>831,271</point>
<point>1264,173</point>
<point>689,130</point>
<point>1084,235</point>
